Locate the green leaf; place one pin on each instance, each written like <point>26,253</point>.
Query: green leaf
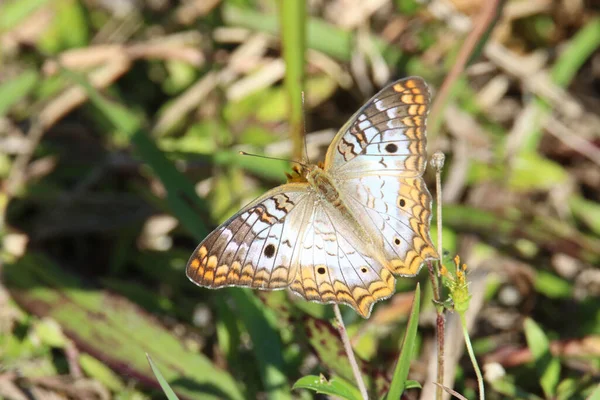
<point>49,333</point>
<point>567,389</point>
<point>595,395</point>
<point>161,380</point>
<point>199,138</point>
<point>334,387</point>
<point>552,286</point>
<point>72,24</point>
<point>408,7</point>
<point>97,370</point>
<point>548,367</point>
<point>534,172</point>
<point>410,384</point>
<point>15,11</point>
<point>13,90</point>
<point>398,384</point>
<point>586,211</point>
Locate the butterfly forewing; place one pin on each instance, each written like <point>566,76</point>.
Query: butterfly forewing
<point>386,134</point>
<point>254,248</point>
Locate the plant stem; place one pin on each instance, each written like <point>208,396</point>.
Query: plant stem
<point>293,38</point>
<point>349,352</point>
<point>439,164</point>
<point>437,161</point>
<point>440,328</point>
<point>472,356</point>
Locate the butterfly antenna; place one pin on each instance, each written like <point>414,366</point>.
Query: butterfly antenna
<point>304,122</point>
<point>243,153</point>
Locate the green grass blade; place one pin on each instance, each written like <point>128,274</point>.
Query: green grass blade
<point>161,380</point>
<point>406,353</point>
<point>333,387</point>
<point>548,366</point>
<point>581,47</point>
<point>293,22</point>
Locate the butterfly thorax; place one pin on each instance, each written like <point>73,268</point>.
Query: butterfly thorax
<point>323,185</point>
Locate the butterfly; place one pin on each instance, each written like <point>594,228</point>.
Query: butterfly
<point>338,231</point>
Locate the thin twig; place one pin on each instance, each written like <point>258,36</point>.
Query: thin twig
<point>485,18</point>
<point>349,352</point>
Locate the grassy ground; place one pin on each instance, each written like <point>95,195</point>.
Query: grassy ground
<point>120,127</point>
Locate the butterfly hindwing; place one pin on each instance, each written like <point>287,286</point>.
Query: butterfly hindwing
<point>334,268</point>
<point>387,133</point>
<point>399,211</point>
<point>253,248</point>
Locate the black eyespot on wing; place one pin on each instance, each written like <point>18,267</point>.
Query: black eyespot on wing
<point>402,203</point>
<point>391,148</point>
<point>269,251</point>
<point>364,270</point>
<point>321,270</point>
<point>397,241</point>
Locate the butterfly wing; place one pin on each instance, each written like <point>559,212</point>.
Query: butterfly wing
<point>334,266</point>
<point>254,248</point>
<point>377,159</point>
<point>319,258</point>
<point>386,135</point>
<point>399,210</point>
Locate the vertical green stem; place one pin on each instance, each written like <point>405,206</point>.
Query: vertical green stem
<point>472,356</point>
<point>350,353</point>
<point>293,37</point>
<point>437,162</point>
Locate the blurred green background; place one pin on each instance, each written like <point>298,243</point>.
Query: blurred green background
<point>120,127</point>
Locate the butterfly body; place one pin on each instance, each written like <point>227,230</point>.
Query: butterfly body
<point>330,197</point>
<point>337,232</point>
